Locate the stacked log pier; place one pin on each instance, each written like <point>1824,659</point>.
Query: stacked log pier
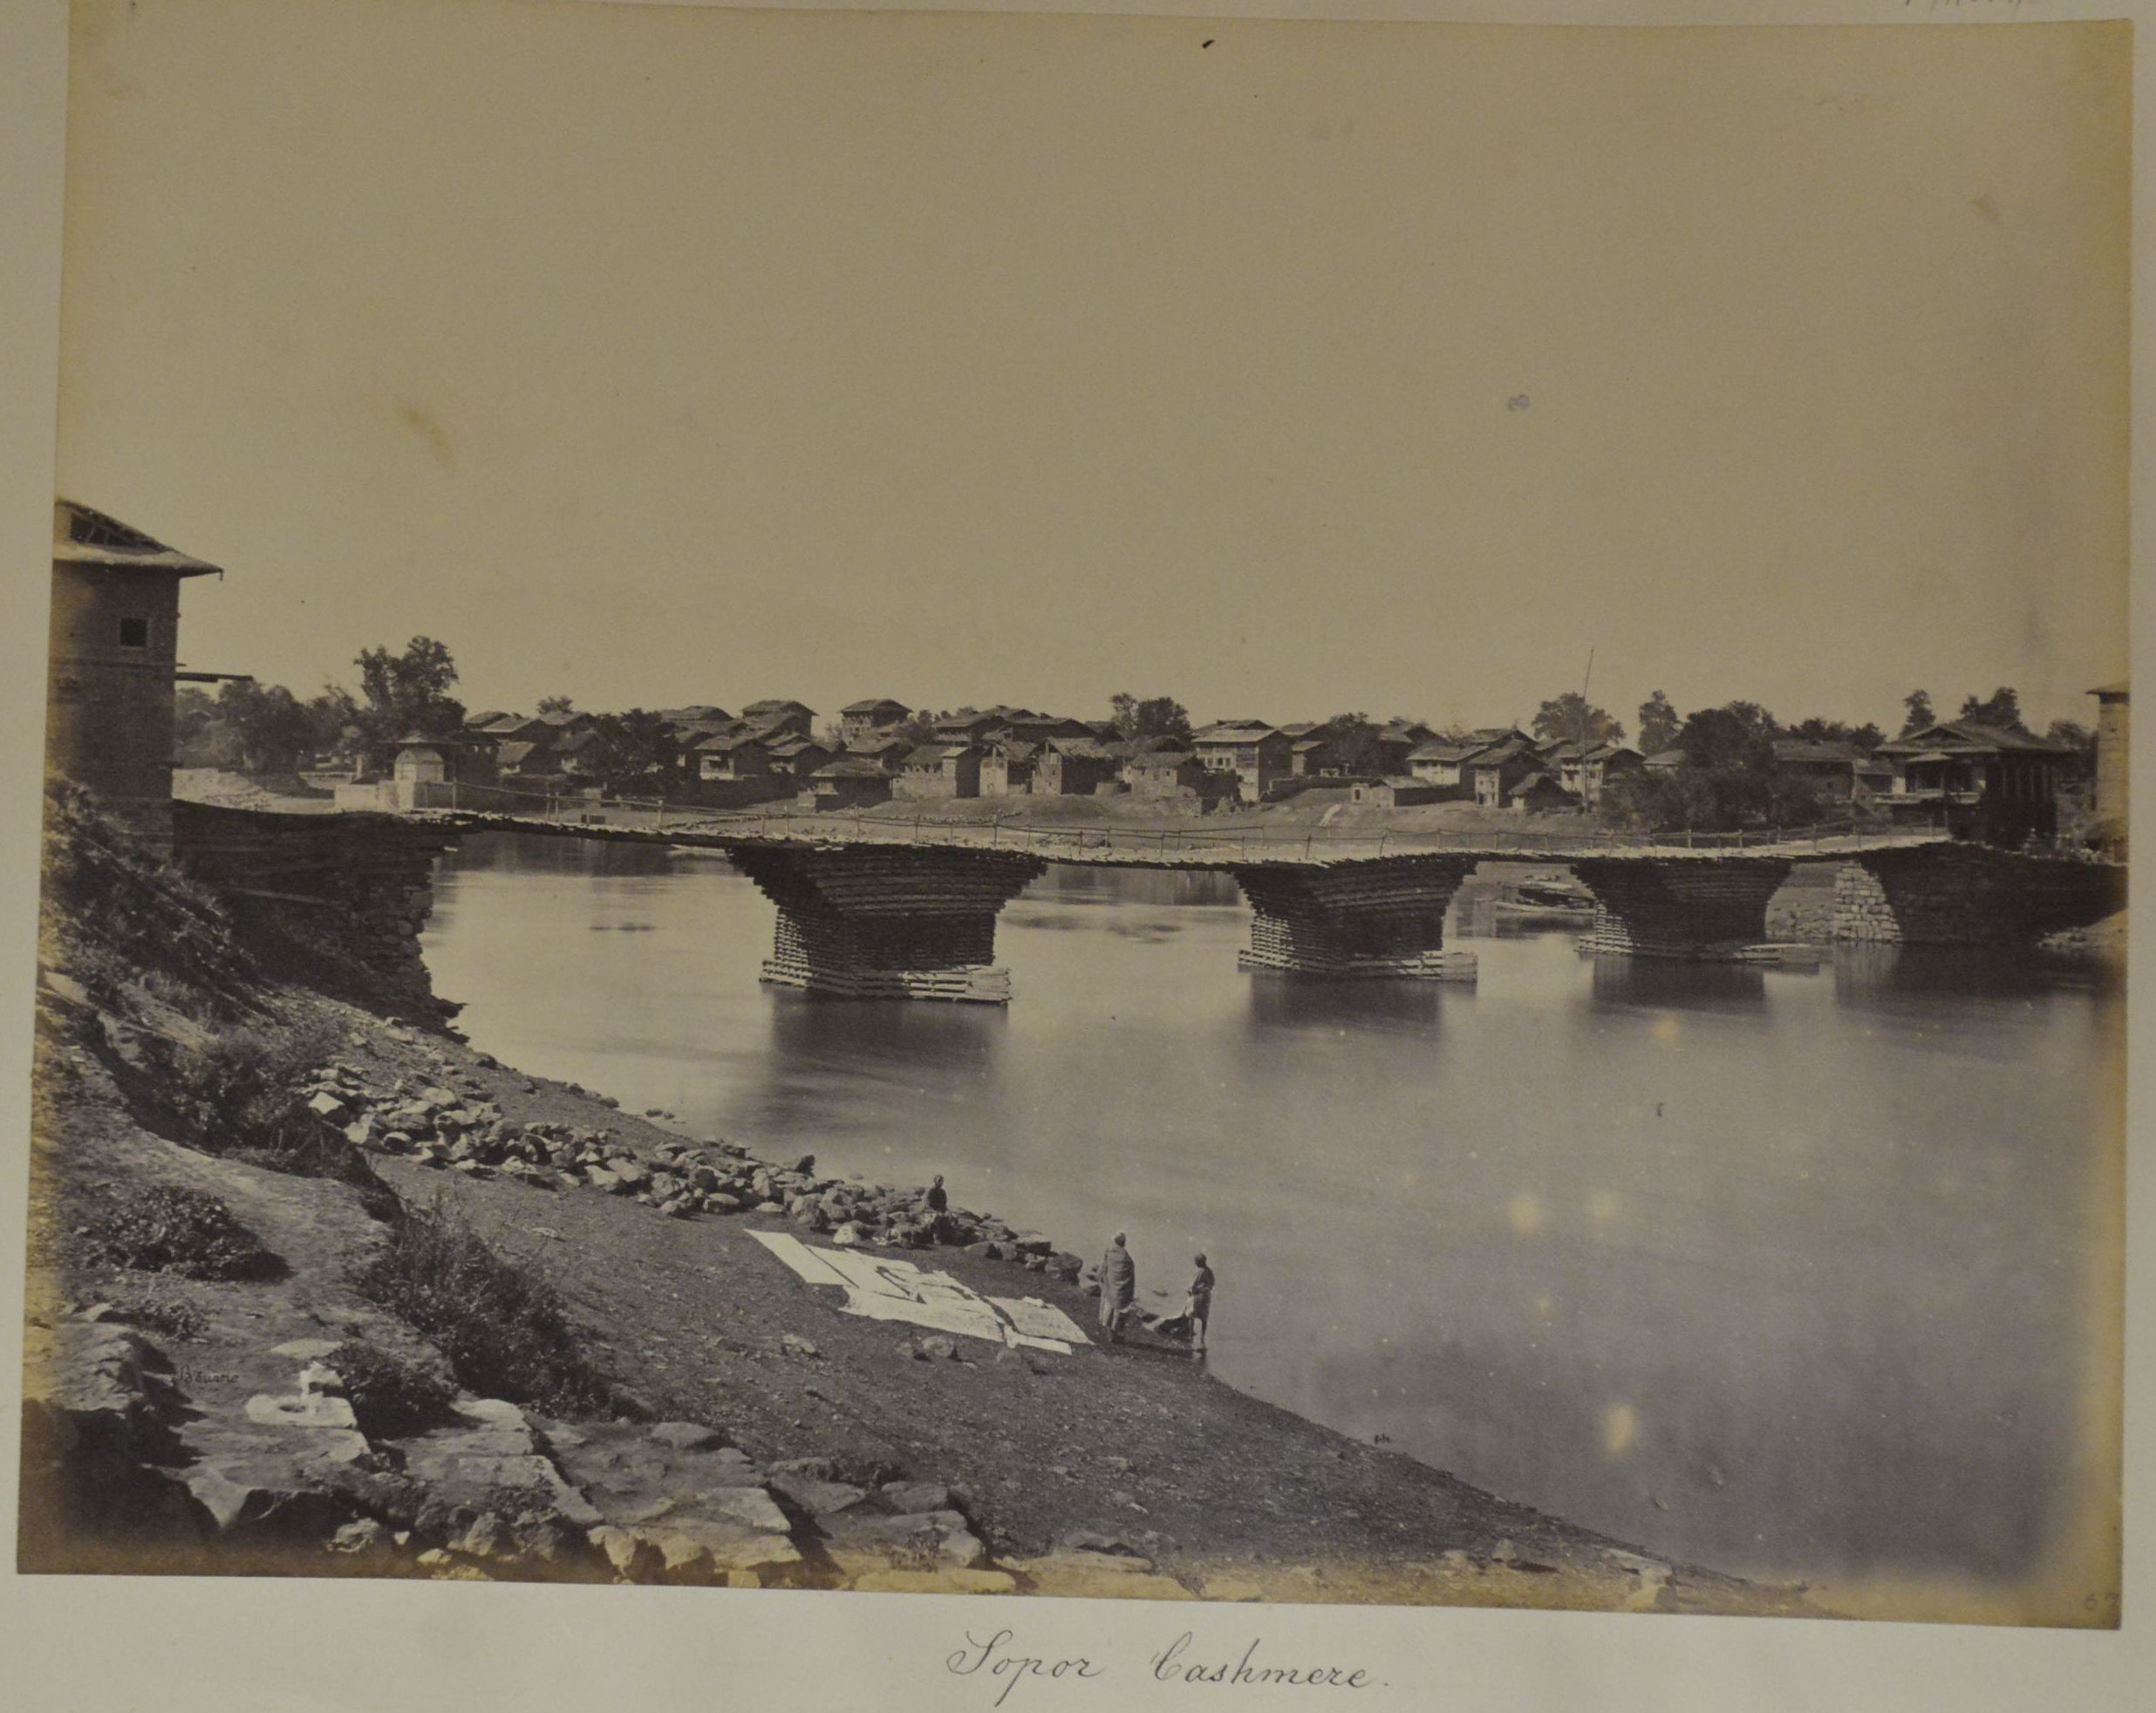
<point>1376,919</point>
<point>1705,907</point>
<point>870,921</point>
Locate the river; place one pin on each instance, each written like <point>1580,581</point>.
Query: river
<point>1788,1272</point>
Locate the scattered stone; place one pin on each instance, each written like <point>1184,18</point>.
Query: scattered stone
<point>488,1537</point>
<point>939,1348</point>
<point>365,1539</point>
<point>910,1497</point>
<point>687,1435</point>
<point>794,1345</point>
<point>818,1498</point>
<point>634,1559</point>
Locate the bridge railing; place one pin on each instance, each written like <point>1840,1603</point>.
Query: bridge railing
<point>1259,842</point>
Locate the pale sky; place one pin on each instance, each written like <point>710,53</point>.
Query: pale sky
<point>654,357</point>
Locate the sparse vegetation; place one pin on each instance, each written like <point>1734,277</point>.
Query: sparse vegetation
<point>166,1228</point>
<point>113,914</point>
<point>500,1323</point>
<point>392,1396</point>
<point>239,1094</point>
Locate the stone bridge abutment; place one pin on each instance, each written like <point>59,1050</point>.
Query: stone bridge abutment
<point>1969,895</point>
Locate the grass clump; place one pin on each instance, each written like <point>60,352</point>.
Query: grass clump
<point>500,1324</point>
<point>240,1094</point>
<point>114,914</point>
<point>392,1395</point>
<point>165,1228</point>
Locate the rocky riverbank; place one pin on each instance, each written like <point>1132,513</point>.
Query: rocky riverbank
<point>317,1291</point>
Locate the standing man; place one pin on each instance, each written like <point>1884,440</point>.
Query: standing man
<point>1199,1306</point>
<point>939,1211</point>
<point>1119,1285</point>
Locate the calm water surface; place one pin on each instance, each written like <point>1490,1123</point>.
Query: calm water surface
<point>1784,1271</point>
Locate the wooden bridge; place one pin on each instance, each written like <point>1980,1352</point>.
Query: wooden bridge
<point>874,906</point>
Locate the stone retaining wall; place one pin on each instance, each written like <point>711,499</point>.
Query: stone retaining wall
<point>1970,894</point>
<point>351,892</point>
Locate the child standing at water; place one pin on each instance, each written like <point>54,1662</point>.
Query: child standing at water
<point>1199,1305</point>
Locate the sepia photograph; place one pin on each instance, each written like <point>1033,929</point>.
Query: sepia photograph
<point>1272,812</point>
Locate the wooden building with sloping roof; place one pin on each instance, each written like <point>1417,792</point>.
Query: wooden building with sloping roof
<point>114,664</point>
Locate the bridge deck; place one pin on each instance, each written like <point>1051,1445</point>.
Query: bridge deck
<point>1191,848</point>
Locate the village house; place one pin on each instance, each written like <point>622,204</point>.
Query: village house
<point>845,782</point>
<point>109,711</point>
<point>796,758</point>
<point>887,751</point>
<point>519,758</point>
<point>1977,780</point>
<point>709,714</point>
<point>797,718</point>
<point>1837,770</point>
<point>1402,792</point>
<point>939,770</point>
<point>733,755</point>
<point>1441,762</point>
<point>515,728</point>
<point>1257,755</point>
<point>1311,757</point>
<point>1540,790</point>
<point>1007,767</point>
<point>1041,727</point>
<point>1168,774</point>
<point>1584,778</point>
<point>1494,770</point>
<point>1073,767</point>
<point>864,719</point>
<point>967,725</point>
<point>421,759</point>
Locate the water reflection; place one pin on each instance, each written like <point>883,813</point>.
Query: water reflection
<point>1669,984</point>
<point>1289,1003</point>
<point>1889,976</point>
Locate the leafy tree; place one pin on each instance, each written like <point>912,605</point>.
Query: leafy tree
<point>1729,779</point>
<point>1737,735</point>
<point>2000,707</point>
<point>408,693</point>
<point>1354,740</point>
<point>632,752</point>
<point>557,704</point>
<point>1658,724</point>
<point>1149,717</point>
<point>1919,714</point>
<point>254,727</point>
<point>335,715</point>
<point>1819,730</point>
<point>268,724</point>
<point>2072,732</point>
<point>1567,718</point>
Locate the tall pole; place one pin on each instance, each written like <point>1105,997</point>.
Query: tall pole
<point>1586,679</point>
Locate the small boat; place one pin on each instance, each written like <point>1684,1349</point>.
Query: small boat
<point>1551,895</point>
